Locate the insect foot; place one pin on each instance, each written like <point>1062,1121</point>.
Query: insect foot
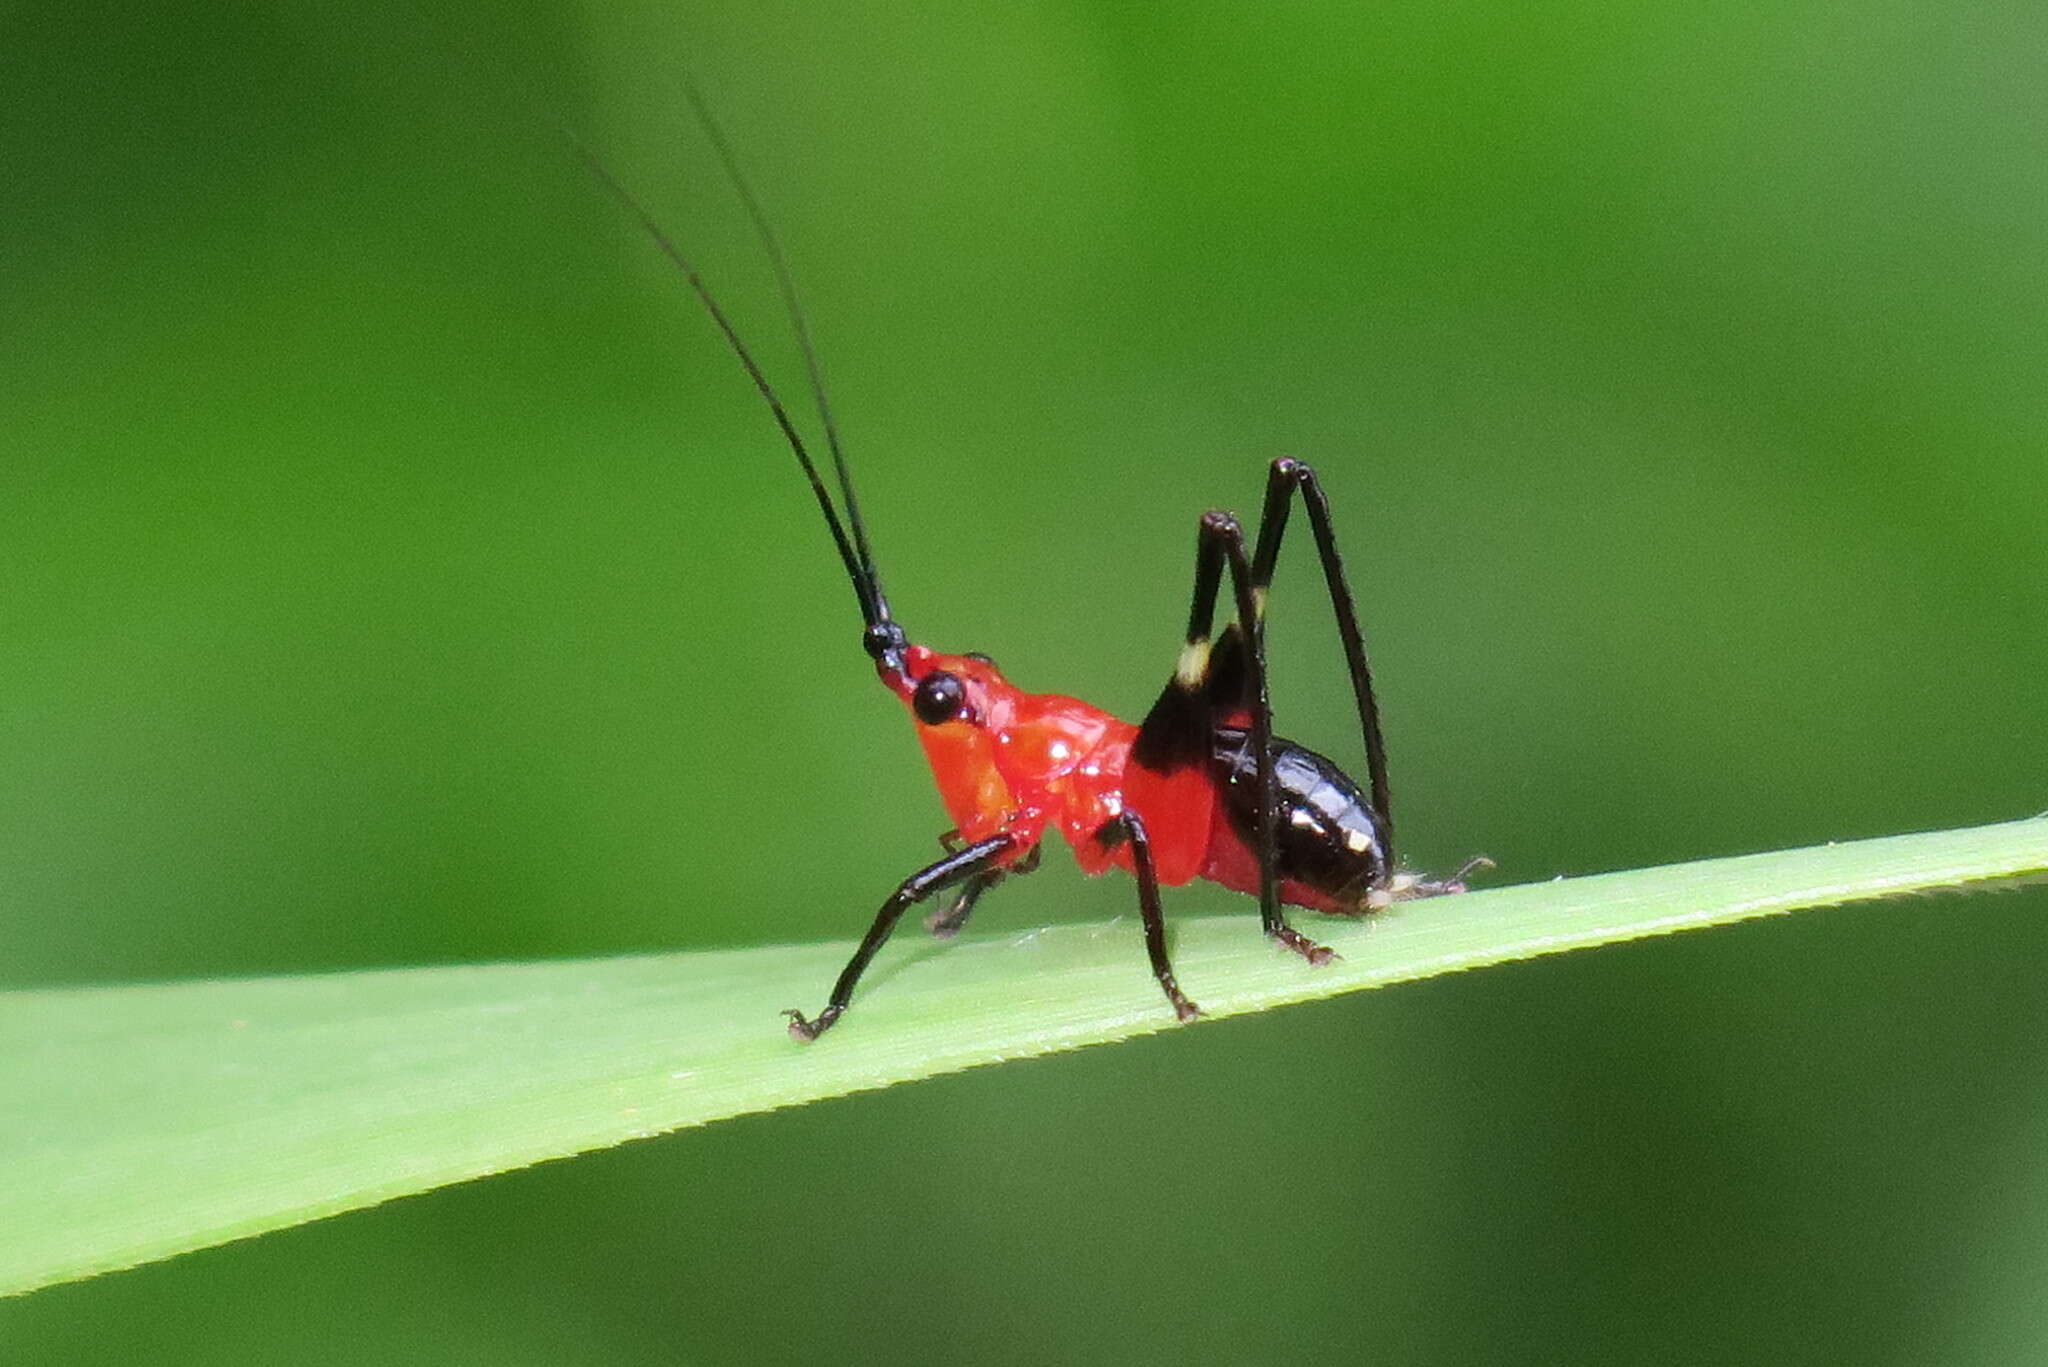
<point>1305,947</point>
<point>804,1031</point>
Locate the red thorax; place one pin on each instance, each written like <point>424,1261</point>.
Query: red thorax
<point>1019,763</point>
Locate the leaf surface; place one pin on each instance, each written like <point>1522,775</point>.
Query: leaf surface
<point>141,1122</point>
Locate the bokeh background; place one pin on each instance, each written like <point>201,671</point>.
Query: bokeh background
<point>396,571</point>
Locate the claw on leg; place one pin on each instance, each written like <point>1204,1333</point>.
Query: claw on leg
<point>803,1031</point>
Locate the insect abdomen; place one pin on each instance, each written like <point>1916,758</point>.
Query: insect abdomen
<point>1329,842</point>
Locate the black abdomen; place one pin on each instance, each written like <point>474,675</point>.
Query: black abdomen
<point>1329,838</point>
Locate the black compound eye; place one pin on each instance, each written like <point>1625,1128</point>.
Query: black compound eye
<point>940,698</point>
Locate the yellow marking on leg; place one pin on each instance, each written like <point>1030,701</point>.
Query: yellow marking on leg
<point>1193,668</point>
<point>1259,602</point>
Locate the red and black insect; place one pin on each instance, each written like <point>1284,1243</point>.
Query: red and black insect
<point>1201,789</point>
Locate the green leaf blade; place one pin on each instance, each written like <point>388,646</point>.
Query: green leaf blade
<point>141,1122</point>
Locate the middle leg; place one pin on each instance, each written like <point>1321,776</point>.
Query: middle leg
<point>1283,478</point>
<point>1129,827</point>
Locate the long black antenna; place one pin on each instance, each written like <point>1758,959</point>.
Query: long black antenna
<point>874,608</point>
<point>786,282</point>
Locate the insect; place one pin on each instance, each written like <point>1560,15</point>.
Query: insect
<point>1202,788</point>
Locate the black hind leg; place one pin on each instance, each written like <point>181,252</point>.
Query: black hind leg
<point>1283,479</point>
<point>1210,685</point>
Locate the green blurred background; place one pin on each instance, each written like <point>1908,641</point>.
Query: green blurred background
<point>397,571</point>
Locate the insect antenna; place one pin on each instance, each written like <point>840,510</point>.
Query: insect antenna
<point>785,281</point>
<point>853,552</point>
